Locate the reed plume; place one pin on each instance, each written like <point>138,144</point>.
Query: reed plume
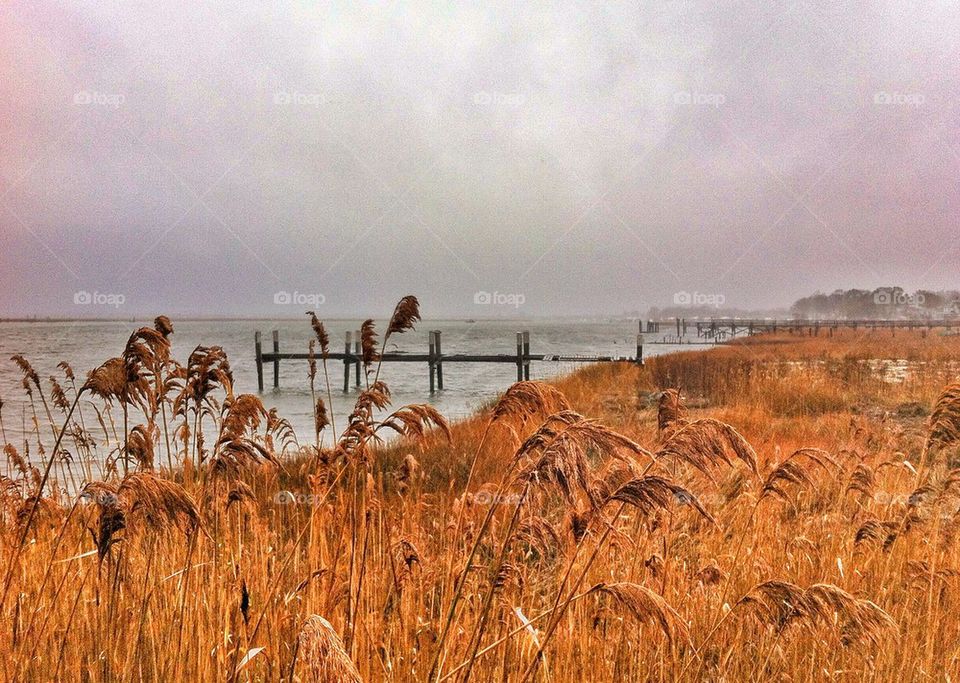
<point>67,370</point>
<point>163,325</point>
<point>527,400</point>
<point>58,396</point>
<point>862,480</point>
<point>405,315</point>
<point>146,351</point>
<point>368,344</point>
<point>244,414</point>
<point>876,531</point>
<point>234,456</point>
<point>538,536</point>
<point>944,422</point>
<point>707,443</point>
<point>27,369</point>
<point>651,494</point>
<point>109,382</point>
<point>208,370</point>
<point>320,417</point>
<point>781,603</point>
<point>671,412</point>
<point>361,423</point>
<point>141,500</point>
<point>140,444</point>
<point>322,654</point>
<point>797,469</point>
<point>415,419</point>
<point>18,461</point>
<point>557,453</point>
<point>645,606</point>
<point>320,332</point>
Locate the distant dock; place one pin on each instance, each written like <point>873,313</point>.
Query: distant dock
<point>724,329</point>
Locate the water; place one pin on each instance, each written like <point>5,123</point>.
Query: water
<point>467,386</point>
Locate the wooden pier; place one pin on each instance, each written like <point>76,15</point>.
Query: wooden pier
<point>680,333</point>
<point>434,358</point>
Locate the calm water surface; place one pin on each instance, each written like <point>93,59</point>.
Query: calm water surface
<point>467,386</point>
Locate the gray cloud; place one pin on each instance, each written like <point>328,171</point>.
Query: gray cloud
<point>201,158</point>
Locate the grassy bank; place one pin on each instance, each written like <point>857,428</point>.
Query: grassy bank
<point>786,517</point>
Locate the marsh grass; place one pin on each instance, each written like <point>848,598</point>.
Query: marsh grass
<point>780,508</point>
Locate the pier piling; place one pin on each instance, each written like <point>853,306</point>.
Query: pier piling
<point>276,359</point>
<point>346,364</point>
<point>258,343</point>
<point>358,353</point>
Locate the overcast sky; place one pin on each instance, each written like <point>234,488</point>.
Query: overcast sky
<point>223,158</point>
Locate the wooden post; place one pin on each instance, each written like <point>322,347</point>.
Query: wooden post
<point>431,359</point>
<point>276,359</point>
<point>678,328</point>
<point>439,361</point>
<point>639,358</point>
<point>357,352</point>
<point>346,364</point>
<point>519,356</point>
<point>258,344</point>
<point>526,354</point>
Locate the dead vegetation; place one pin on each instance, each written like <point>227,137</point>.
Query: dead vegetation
<point>797,528</point>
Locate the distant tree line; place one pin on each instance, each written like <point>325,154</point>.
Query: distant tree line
<point>885,303</point>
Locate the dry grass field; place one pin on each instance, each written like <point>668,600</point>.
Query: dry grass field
<point>781,508</point>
